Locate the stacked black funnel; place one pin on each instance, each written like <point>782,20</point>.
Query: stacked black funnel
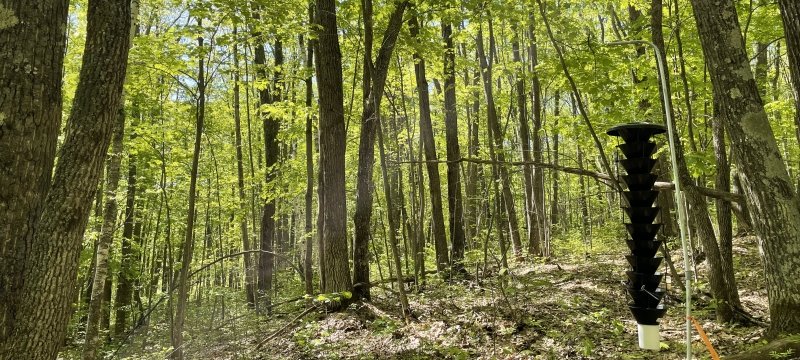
<point>643,278</point>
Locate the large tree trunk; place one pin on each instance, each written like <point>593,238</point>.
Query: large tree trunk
<point>187,248</point>
<point>432,166</point>
<point>50,269</point>
<point>374,81</point>
<point>769,192</point>
<point>790,13</point>
<point>455,201</point>
<point>93,339</point>
<point>32,37</point>
<point>335,268</point>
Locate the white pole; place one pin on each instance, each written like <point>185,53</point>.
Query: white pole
<point>677,180</point>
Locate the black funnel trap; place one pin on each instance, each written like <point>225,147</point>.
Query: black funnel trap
<point>636,132</point>
<point>643,278</point>
<point>637,149</point>
<point>636,166</point>
<point>644,198</point>
<point>640,182</point>
<point>643,232</point>
<point>642,215</point>
<point>644,264</point>
<point>643,248</point>
<point>638,281</point>
<point>644,298</point>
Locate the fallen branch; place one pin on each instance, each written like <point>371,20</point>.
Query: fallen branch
<point>277,332</point>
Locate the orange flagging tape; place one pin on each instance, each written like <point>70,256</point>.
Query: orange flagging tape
<point>705,339</point>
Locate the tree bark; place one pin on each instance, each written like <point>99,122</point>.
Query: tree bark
<point>124,292</point>
<point>455,201</point>
<point>243,228</point>
<point>539,227</point>
<point>309,197</point>
<point>374,81</point>
<point>93,339</point>
<point>790,14</point>
<point>769,192</point>
<point>51,267</point>
<point>335,268</point>
<point>31,37</point>
<point>429,145</point>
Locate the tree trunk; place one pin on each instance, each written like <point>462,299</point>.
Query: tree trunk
<point>237,119</point>
<point>51,266</point>
<point>124,292</point>
<point>497,137</point>
<point>426,136</point>
<point>454,200</point>
<point>374,81</point>
<point>790,13</point>
<point>525,139</point>
<point>538,227</point>
<point>335,268</point>
<point>309,198</point>
<point>188,242</point>
<point>769,192</point>
<point>555,217</point>
<point>93,340</point>
<point>33,37</point>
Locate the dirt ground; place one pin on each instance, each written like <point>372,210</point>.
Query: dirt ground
<point>564,309</point>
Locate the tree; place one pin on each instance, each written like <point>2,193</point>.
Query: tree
<point>32,37</point>
<point>51,263</point>
<point>455,201</point>
<point>92,346</point>
<point>187,247</point>
<point>496,137</point>
<point>790,14</point>
<point>432,166</point>
<point>373,86</point>
<point>237,119</point>
<point>333,230</point>
<point>769,193</point>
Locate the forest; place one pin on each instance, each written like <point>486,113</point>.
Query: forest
<point>399,179</point>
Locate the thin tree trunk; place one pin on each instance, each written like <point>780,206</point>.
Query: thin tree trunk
<point>454,200</point>
<point>539,229</point>
<point>93,340</point>
<point>187,247</point>
<point>426,136</point>
<point>309,198</point>
<point>248,261</point>
<point>124,292</point>
<point>497,137</point>
<point>398,268</point>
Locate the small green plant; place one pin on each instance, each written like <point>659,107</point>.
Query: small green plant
<point>781,355</point>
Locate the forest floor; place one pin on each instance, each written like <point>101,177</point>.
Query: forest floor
<point>570,308</point>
